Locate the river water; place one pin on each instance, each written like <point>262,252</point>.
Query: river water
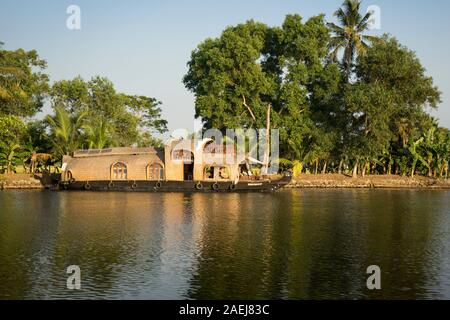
<point>293,244</point>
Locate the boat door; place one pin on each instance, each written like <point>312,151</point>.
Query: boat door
<point>188,171</point>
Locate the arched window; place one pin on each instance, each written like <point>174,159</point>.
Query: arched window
<point>119,171</point>
<point>155,172</point>
<point>69,175</point>
<point>185,156</point>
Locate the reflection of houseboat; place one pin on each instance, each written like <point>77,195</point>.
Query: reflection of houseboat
<point>182,165</point>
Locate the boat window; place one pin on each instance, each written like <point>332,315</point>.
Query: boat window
<point>224,173</point>
<point>217,173</point>
<point>183,155</point>
<point>119,171</point>
<point>155,171</point>
<point>209,173</point>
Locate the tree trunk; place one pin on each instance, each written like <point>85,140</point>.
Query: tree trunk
<point>265,167</point>
<point>341,163</point>
<point>441,173</point>
<point>413,169</point>
<point>364,169</point>
<point>324,170</point>
<point>446,170</point>
<point>355,169</point>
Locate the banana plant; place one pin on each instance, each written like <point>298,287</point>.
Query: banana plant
<point>412,147</point>
<point>10,156</point>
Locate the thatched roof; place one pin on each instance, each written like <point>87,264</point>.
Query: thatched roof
<point>113,151</point>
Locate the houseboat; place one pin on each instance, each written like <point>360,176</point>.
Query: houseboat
<point>181,165</point>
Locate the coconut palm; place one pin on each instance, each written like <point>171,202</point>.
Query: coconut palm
<point>97,136</point>
<point>65,131</point>
<point>298,150</point>
<point>348,36</point>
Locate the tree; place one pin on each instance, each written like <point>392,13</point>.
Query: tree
<point>231,88</point>
<point>65,131</point>
<point>125,120</point>
<point>23,86</point>
<point>13,132</point>
<point>10,156</point>
<point>348,36</point>
<point>387,100</point>
<point>98,135</point>
<point>252,68</point>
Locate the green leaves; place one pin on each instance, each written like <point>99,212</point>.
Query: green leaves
<point>236,76</point>
<point>324,118</point>
<point>65,130</point>
<point>23,86</point>
<point>96,116</point>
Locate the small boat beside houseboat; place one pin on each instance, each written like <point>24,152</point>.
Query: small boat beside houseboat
<point>181,165</point>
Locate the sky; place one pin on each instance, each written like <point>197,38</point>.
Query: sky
<point>143,46</point>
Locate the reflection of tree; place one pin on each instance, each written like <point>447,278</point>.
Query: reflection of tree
<point>24,248</point>
<point>316,244</point>
<point>112,240</point>
<point>291,244</point>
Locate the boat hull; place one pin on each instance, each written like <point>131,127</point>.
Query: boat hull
<point>177,186</point>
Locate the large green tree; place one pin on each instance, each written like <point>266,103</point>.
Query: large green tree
<point>110,118</point>
<point>237,76</point>
<point>23,85</point>
<point>388,101</point>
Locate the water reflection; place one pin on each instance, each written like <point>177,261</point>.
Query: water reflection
<point>295,244</point>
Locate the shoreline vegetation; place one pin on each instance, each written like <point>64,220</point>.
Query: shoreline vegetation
<point>304,181</point>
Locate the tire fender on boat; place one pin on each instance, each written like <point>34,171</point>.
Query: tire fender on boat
<point>158,185</point>
<point>215,186</point>
<point>198,186</point>
<point>87,186</point>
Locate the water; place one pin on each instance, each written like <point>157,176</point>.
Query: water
<point>294,244</point>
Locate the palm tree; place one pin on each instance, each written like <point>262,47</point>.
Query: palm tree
<point>65,131</point>
<point>97,135</point>
<point>349,35</point>
<point>299,152</point>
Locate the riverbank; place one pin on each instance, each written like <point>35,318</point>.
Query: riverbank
<point>319,181</point>
<point>368,182</point>
<point>20,181</point>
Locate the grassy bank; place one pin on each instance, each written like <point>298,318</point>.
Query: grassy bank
<point>370,181</point>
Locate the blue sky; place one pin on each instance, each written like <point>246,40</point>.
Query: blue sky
<point>143,46</point>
